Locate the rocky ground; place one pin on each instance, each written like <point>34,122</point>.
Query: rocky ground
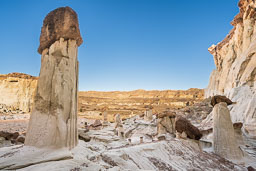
<point>101,149</point>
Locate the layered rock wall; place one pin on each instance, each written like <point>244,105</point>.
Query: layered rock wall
<point>17,92</point>
<point>127,103</point>
<point>235,73</point>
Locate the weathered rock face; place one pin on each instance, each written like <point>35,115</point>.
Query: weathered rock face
<point>17,93</point>
<point>224,140</point>
<point>59,23</point>
<point>235,74</point>
<point>53,122</point>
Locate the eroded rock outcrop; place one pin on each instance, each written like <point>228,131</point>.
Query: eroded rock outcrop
<point>235,73</point>
<point>53,122</point>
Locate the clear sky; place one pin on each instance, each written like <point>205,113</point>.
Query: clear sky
<point>128,44</point>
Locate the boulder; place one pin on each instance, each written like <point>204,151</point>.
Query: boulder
<point>9,135</point>
<point>183,125</point>
<point>6,135</point>
<point>21,139</point>
<point>250,168</point>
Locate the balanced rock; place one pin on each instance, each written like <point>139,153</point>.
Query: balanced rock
<point>217,99</point>
<point>224,140</point>
<point>183,125</point>
<point>53,122</point>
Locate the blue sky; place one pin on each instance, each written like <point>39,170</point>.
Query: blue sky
<point>128,44</point>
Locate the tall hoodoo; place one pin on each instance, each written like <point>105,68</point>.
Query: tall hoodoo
<point>53,121</point>
<point>235,73</point>
<point>224,140</point>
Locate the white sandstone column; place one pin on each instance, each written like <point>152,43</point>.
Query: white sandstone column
<point>224,141</point>
<point>53,122</point>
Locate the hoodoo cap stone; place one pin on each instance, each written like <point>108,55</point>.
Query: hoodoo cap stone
<point>61,22</point>
<point>218,98</point>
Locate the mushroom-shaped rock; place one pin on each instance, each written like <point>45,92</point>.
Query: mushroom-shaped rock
<point>183,125</point>
<point>53,121</point>
<point>59,23</point>
<point>224,139</point>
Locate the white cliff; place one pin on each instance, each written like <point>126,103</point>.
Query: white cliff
<point>17,93</point>
<point>235,73</point>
